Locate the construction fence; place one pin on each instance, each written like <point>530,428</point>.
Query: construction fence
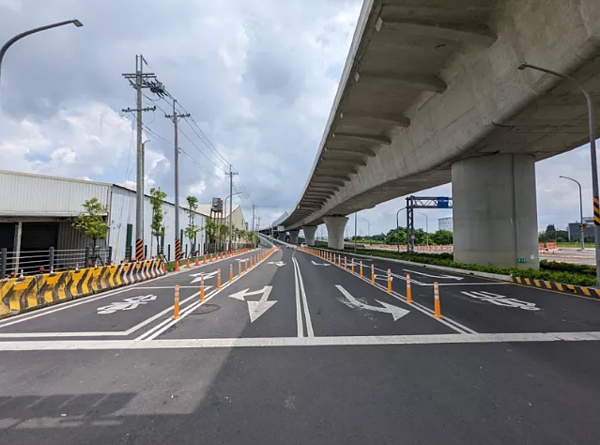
<point>23,293</point>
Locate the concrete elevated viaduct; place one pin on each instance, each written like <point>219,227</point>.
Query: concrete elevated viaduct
<point>431,93</point>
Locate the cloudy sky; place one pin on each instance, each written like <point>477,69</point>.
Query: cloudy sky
<point>258,78</point>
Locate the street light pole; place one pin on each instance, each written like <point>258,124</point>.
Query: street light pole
<point>368,229</point>
<point>355,229</point>
<point>580,209</point>
<point>18,37</point>
<point>225,207</point>
<point>594,162</point>
<point>398,228</point>
<point>426,227</point>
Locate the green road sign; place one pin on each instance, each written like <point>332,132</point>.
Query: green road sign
<point>521,260</point>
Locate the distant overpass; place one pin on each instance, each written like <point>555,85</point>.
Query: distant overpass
<point>431,94</point>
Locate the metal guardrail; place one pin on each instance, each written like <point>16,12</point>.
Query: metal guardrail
<point>36,261</point>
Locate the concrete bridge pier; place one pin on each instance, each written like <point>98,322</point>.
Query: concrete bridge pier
<point>294,236</point>
<point>309,234</point>
<point>494,211</point>
<point>335,231</point>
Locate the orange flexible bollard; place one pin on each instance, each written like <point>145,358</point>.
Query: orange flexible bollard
<point>436,302</point>
<point>345,263</point>
<point>389,289</point>
<point>219,279</point>
<point>176,266</point>
<point>204,259</point>
<point>239,268</point>
<point>361,269</point>
<point>246,265</point>
<point>231,272</point>
<point>372,273</point>
<point>202,288</point>
<point>352,266</point>
<point>187,264</point>
<point>197,262</point>
<point>176,304</point>
<point>408,289</point>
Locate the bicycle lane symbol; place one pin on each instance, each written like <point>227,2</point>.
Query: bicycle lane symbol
<point>127,304</point>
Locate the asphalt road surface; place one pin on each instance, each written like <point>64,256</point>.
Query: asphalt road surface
<point>300,351</point>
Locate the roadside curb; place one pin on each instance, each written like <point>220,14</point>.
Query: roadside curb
<point>491,276</point>
<point>582,291</point>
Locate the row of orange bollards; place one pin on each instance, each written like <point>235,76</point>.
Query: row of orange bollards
<point>337,260</point>
<point>254,260</point>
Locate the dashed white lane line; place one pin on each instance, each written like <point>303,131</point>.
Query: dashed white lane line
<point>431,339</point>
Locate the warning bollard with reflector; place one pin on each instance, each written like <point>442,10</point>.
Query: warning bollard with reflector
<point>246,265</point>
<point>239,268</point>
<point>219,279</point>
<point>373,273</point>
<point>361,269</point>
<point>176,304</point>
<point>345,263</point>
<point>436,302</point>
<point>202,288</point>
<point>408,290</point>
<point>389,289</point>
<point>352,266</point>
<point>231,272</point>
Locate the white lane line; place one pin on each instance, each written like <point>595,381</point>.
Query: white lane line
<point>96,334</point>
<point>298,304</point>
<point>157,330</point>
<point>309,327</point>
<point>91,298</point>
<point>421,339</point>
<point>454,325</point>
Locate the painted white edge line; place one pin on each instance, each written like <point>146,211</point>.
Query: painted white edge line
<point>429,339</point>
<point>14,319</point>
<point>309,327</point>
<point>454,325</point>
<point>166,324</point>
<point>300,326</point>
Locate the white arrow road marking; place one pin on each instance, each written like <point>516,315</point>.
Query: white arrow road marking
<point>395,311</point>
<point>127,305</point>
<point>320,264</point>
<point>277,263</point>
<point>450,277</point>
<point>207,276</point>
<point>256,308</point>
<point>502,300</point>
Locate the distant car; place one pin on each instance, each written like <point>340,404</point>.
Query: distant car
<point>303,245</point>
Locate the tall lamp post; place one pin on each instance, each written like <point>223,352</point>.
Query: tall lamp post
<point>580,209</point>
<point>398,228</point>
<point>18,37</point>
<point>594,163</point>
<point>426,227</point>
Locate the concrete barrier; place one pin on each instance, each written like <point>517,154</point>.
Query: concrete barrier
<point>19,295</point>
<point>582,291</point>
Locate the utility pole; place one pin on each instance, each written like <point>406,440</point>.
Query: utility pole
<point>253,225</point>
<point>175,118</point>
<point>231,173</point>
<point>138,81</point>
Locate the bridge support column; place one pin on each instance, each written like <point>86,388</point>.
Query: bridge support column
<point>309,234</point>
<point>335,231</point>
<point>294,236</point>
<point>494,211</point>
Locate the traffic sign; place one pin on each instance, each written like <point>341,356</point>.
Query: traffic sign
<point>521,260</point>
<point>412,237</point>
<point>443,202</point>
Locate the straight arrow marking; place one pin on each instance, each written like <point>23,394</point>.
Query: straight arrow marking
<point>256,308</point>
<point>395,311</point>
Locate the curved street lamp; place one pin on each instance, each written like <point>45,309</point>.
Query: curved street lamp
<point>426,227</point>
<point>398,228</point>
<point>594,163</point>
<point>580,208</point>
<point>18,37</point>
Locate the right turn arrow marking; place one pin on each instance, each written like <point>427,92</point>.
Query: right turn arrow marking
<point>256,308</point>
<point>395,311</point>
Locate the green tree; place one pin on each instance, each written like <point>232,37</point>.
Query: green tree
<point>442,237</point>
<point>91,221</point>
<point>551,232</point>
<point>191,231</point>
<point>396,236</point>
<point>157,199</point>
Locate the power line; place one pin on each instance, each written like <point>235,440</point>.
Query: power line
<point>201,152</point>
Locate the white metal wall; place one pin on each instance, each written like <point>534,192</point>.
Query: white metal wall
<point>23,194</point>
<point>122,212</point>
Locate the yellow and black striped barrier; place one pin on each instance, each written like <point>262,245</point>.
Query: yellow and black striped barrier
<point>583,291</point>
<point>35,291</point>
